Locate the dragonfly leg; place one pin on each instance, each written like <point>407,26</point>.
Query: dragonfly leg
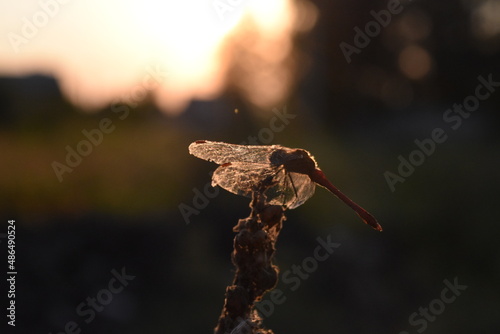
<point>293,185</point>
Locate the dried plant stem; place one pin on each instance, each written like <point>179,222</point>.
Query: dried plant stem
<point>254,247</point>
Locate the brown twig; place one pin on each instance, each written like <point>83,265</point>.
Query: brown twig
<point>254,247</point>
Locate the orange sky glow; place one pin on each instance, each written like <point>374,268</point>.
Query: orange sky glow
<point>174,51</point>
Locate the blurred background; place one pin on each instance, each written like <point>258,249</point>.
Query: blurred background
<point>100,100</point>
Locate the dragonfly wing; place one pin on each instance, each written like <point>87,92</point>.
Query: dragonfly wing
<point>298,188</point>
<point>290,189</point>
<point>286,189</point>
<point>242,178</point>
<point>222,153</point>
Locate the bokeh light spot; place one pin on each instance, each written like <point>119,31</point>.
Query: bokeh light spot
<point>415,62</point>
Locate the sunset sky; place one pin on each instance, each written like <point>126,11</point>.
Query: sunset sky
<point>103,51</point>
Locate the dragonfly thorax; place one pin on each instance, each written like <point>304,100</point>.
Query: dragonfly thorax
<point>295,161</point>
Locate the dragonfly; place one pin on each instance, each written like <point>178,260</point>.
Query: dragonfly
<point>288,175</point>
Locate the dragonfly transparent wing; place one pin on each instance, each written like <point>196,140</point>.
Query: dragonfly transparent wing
<point>242,178</point>
<point>291,190</point>
<point>286,189</point>
<point>222,153</point>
